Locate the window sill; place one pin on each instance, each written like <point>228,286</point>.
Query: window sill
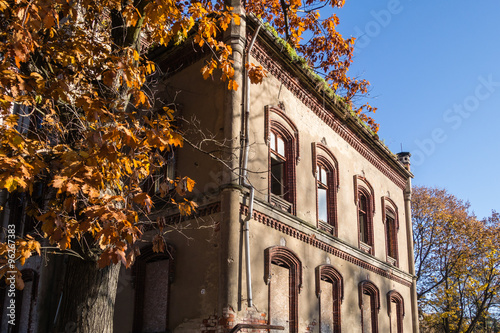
<point>392,261</point>
<point>281,203</point>
<point>365,247</point>
<point>323,226</point>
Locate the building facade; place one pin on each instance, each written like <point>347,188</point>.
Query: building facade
<point>309,224</point>
<point>304,217</point>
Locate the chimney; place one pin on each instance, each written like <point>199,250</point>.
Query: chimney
<point>404,158</point>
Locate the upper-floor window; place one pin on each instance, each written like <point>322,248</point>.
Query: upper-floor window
<point>157,181</point>
<point>326,173</point>
<point>323,187</point>
<point>282,169</point>
<point>363,218</point>
<point>365,207</point>
<point>278,164</point>
<point>390,229</point>
<point>282,136</point>
<point>390,218</point>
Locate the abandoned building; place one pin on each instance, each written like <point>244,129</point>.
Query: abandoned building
<point>304,216</point>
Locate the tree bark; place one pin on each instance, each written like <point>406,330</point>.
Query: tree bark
<point>88,299</point>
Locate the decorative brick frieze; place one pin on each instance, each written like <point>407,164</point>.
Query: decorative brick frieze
<point>299,90</point>
<point>313,241</point>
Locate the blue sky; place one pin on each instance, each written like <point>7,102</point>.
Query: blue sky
<point>435,76</point>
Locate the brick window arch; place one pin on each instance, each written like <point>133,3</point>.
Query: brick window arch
<point>369,303</point>
<point>396,311</point>
<point>364,199</point>
<point>153,273</point>
<point>391,223</point>
<point>283,275</point>
<point>325,169</point>
<point>330,291</point>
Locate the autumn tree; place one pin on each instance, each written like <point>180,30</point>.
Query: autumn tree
<point>80,133</point>
<point>456,259</point>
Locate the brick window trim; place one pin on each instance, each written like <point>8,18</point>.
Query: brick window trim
<point>368,288</point>
<point>291,150</point>
<point>389,207</point>
<point>330,274</point>
<point>284,257</point>
<point>321,155</point>
<point>394,297</point>
<point>139,274</point>
<point>361,185</point>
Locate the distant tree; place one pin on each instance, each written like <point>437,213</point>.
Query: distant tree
<point>457,261</point>
<point>86,130</point>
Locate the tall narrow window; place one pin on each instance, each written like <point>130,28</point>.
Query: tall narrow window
<point>326,174</point>
<point>322,185</point>
<point>157,182</point>
<point>363,218</point>
<point>390,229</point>
<point>369,303</point>
<point>330,290</point>
<point>390,218</point>
<point>278,165</point>
<point>281,169</point>
<point>283,274</point>
<point>365,206</point>
<point>396,311</point>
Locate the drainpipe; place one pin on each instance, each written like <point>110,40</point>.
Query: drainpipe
<point>404,158</point>
<point>244,172</point>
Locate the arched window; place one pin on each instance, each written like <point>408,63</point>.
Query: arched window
<point>366,209</point>
<point>391,222</point>
<point>283,274</point>
<point>369,303</point>
<point>326,173</point>
<point>153,275</point>
<point>282,161</point>
<point>396,311</point>
<point>330,291</point>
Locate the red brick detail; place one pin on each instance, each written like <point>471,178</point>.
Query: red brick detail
<point>284,257</point>
<point>368,288</point>
<point>395,297</point>
<point>304,94</point>
<point>330,274</point>
<point>313,241</point>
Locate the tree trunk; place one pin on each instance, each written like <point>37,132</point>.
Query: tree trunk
<point>88,299</point>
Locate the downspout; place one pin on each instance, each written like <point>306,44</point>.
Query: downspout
<point>244,173</point>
